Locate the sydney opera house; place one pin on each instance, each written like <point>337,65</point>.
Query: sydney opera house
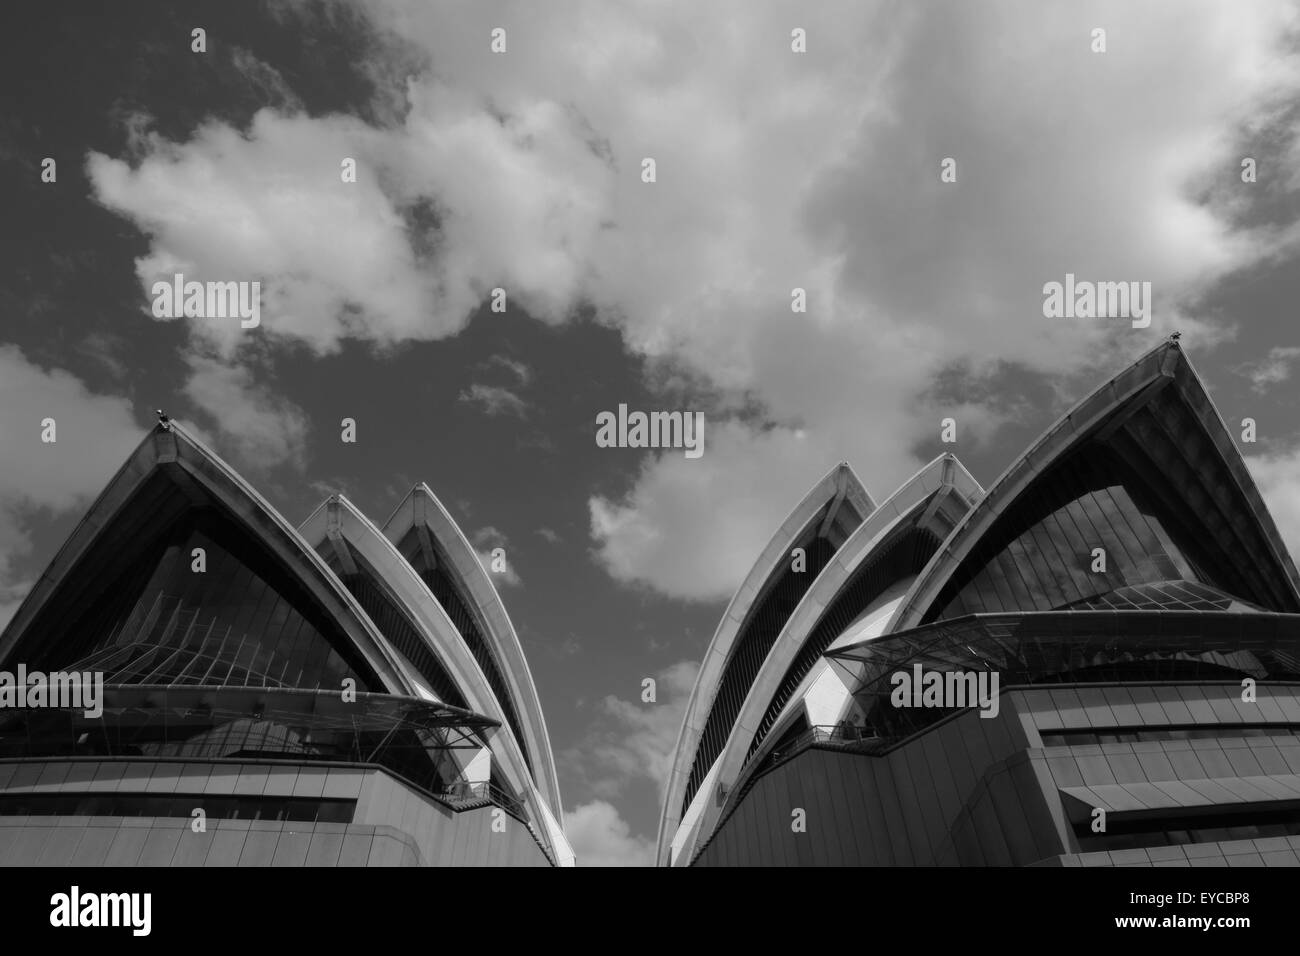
<point>1121,587</point>
<point>339,694</point>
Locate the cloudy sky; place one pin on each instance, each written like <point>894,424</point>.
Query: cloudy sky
<point>523,170</point>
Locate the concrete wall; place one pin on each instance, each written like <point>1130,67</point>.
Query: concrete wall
<point>394,824</point>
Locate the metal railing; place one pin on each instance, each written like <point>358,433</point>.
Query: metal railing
<point>839,736</point>
<point>463,794</point>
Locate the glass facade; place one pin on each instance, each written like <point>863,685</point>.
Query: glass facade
<point>1215,827</point>
<point>1165,596</point>
<point>1039,556</point>
<point>215,806</point>
<point>411,738</point>
<point>1069,647</point>
<point>241,621</point>
<point>1127,735</point>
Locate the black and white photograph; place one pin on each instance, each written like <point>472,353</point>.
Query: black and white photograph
<point>648,434</point>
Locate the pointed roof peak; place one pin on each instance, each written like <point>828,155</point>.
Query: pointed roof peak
<point>846,484</point>
<point>169,474</point>
<point>1157,412</point>
<point>419,490</point>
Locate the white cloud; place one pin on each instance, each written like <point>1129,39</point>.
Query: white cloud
<point>256,427</point>
<point>519,370</point>
<point>515,204</point>
<point>648,538</point>
<point>821,171</point>
<point>487,540</point>
<point>494,400</point>
<point>264,79</point>
<point>631,743</point>
<point>601,837</point>
<point>95,435</point>
<point>1065,164</point>
<point>1278,478</point>
<point>445,207</point>
<point>1273,369</point>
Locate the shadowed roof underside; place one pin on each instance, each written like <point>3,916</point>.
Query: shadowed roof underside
<point>137,543</point>
<point>1146,454</point>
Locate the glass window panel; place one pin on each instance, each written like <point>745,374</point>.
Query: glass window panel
<point>997,589</point>
<point>1030,591</point>
<point>1066,540</point>
<point>1058,582</point>
<point>1100,508</point>
<point>240,620</point>
<point>1141,542</point>
<point>1038,555</point>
